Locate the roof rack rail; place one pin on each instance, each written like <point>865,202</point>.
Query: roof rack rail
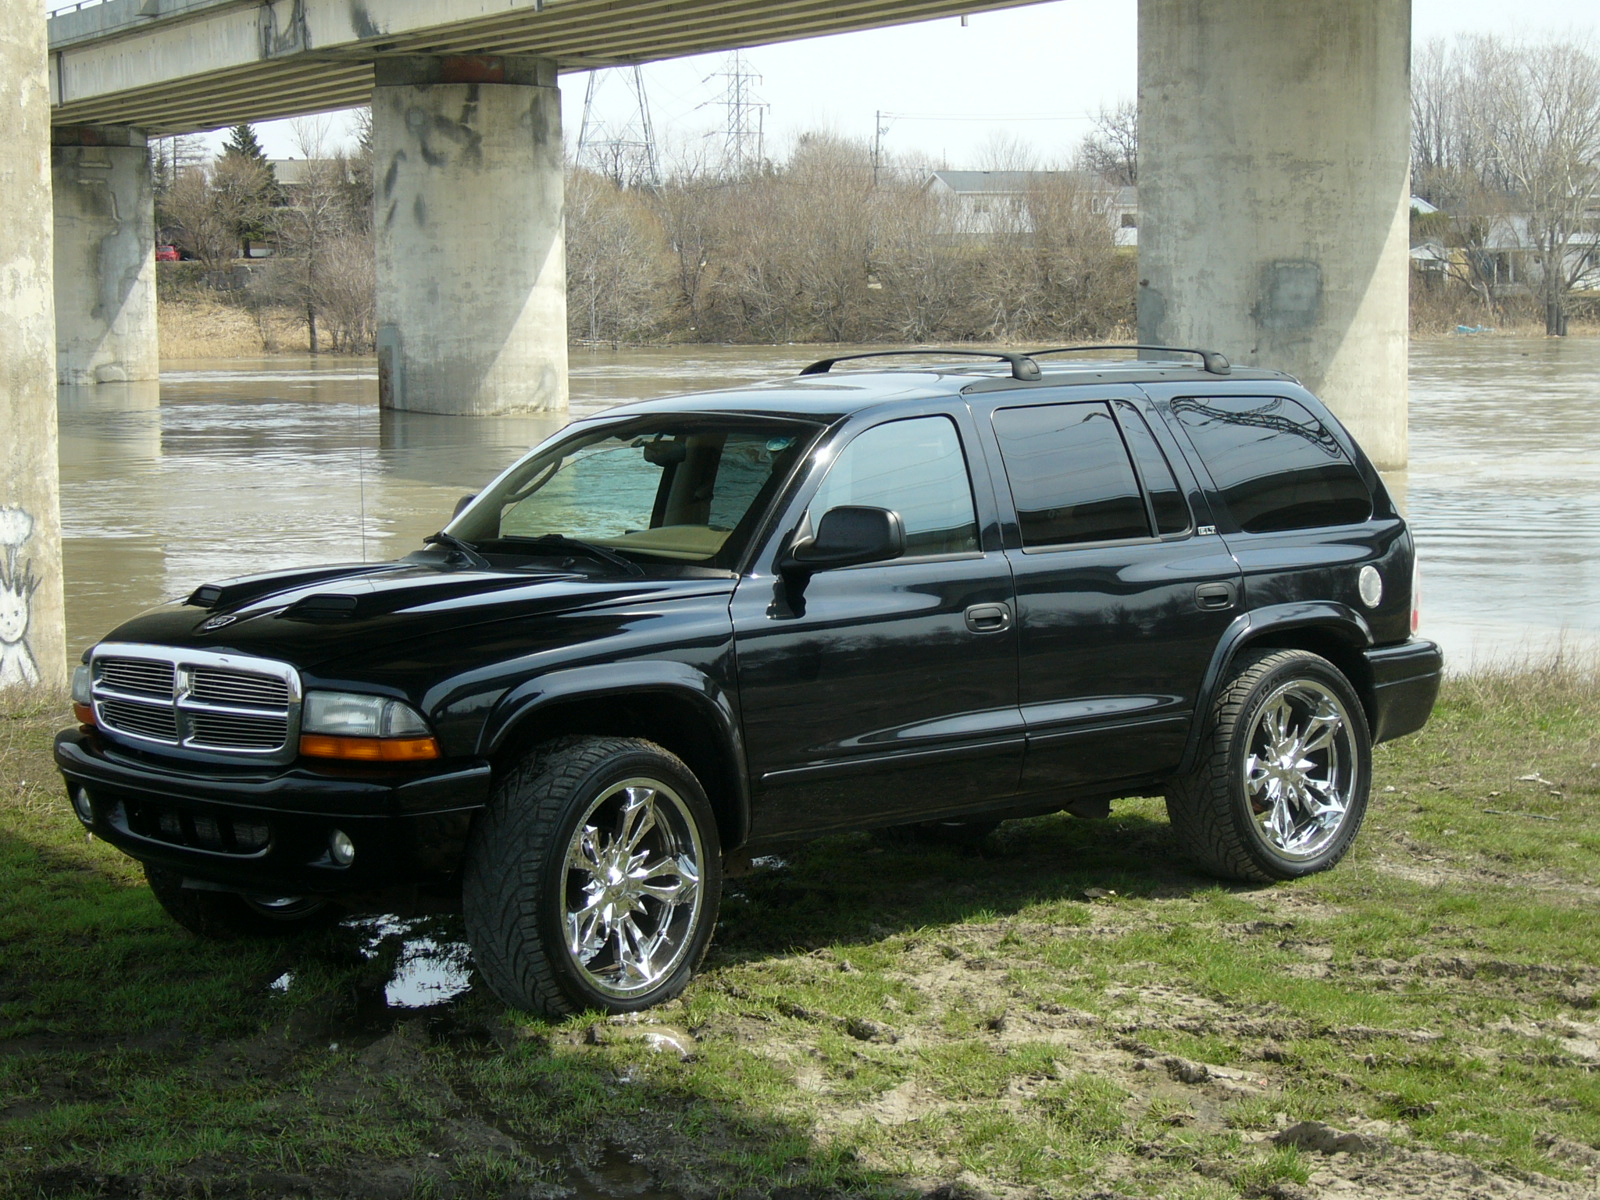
<point>1214,363</point>
<point>1022,367</point>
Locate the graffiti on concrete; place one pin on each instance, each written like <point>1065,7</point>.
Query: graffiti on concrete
<point>18,668</point>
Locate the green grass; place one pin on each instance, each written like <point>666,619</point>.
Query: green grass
<point>873,1021</point>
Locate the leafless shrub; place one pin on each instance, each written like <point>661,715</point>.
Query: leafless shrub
<point>617,276</point>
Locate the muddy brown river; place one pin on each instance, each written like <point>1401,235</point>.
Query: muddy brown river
<point>228,468</point>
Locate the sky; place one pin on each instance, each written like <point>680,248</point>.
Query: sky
<point>1037,75</point>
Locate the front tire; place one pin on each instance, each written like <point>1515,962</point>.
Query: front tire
<point>227,916</point>
<point>1280,788</point>
<point>593,879</point>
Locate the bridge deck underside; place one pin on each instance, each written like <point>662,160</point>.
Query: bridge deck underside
<point>577,35</point>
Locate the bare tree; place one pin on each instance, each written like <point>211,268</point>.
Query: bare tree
<point>348,292</point>
<point>923,274</point>
<point>1002,151</point>
<point>828,208</point>
<point>357,174</point>
<point>171,157</point>
<point>312,219</point>
<point>210,205</point>
<point>1082,284</point>
<point>1506,136</point>
<point>689,206</point>
<point>1111,149</point>
<point>615,262</point>
<point>810,249</point>
<point>1537,110</point>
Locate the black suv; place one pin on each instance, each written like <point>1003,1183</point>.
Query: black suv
<point>683,630</point>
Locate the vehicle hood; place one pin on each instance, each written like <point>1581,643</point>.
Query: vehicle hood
<point>313,616</point>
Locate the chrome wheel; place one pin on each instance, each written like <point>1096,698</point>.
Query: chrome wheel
<point>284,908</point>
<point>1279,787</point>
<point>632,890</point>
<point>225,916</point>
<point>1300,769</point>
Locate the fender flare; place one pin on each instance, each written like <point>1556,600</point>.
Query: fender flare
<point>711,703</point>
<point>1327,617</point>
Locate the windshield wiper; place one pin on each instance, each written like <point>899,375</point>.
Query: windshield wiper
<point>464,548</point>
<point>572,545</point>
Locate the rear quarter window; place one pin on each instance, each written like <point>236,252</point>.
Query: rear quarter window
<point>1276,465</point>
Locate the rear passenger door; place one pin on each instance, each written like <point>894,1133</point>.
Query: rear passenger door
<point>1123,589</point>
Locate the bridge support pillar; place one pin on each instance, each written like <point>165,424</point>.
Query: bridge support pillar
<point>32,622</point>
<point>105,267</point>
<point>472,301</point>
<point>1274,194</point>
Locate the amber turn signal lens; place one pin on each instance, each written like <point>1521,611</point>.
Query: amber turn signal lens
<point>363,749</point>
<point>84,712</point>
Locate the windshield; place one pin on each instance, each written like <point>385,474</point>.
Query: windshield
<point>667,488</point>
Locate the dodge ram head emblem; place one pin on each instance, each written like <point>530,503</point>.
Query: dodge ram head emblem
<point>211,623</point>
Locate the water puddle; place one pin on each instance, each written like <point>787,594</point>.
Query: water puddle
<point>616,1172</point>
<point>425,967</point>
<point>429,969</point>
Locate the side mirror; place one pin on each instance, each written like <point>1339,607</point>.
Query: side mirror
<point>846,537</point>
<point>462,503</point>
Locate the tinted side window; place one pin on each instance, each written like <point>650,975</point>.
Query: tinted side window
<point>1276,465</point>
<point>1166,501</point>
<point>917,469</point>
<point>1070,475</point>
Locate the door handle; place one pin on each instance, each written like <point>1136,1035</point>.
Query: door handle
<point>989,618</point>
<point>1215,595</point>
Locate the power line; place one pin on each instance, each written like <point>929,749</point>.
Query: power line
<point>625,152</point>
<point>744,146</point>
<point>894,116</point>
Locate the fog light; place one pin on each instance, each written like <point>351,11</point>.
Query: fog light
<point>82,805</point>
<point>342,848</point>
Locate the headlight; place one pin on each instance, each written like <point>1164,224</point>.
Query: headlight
<point>350,714</point>
<point>83,694</point>
<point>82,682</point>
<point>351,725</point>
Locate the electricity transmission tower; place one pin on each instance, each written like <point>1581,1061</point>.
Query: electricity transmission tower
<point>625,152</point>
<point>744,150</point>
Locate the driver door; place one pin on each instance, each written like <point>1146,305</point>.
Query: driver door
<point>888,691</point>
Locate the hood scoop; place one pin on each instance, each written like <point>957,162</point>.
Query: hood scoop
<point>234,593</point>
<point>323,606</point>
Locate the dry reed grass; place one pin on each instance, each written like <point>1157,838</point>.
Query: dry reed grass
<point>206,328</point>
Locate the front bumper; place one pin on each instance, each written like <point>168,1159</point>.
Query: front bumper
<point>267,832</point>
<point>1405,684</point>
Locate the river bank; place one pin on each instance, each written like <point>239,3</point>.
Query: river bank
<point>201,327</point>
<point>1068,1012</point>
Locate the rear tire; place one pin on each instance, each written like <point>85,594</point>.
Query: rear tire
<point>1280,788</point>
<point>227,916</point>
<point>593,879</point>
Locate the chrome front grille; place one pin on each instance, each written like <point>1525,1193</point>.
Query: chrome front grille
<point>144,720</point>
<point>137,675</point>
<point>204,704</point>
<point>224,731</point>
<point>236,687</point>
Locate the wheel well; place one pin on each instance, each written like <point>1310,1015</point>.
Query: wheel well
<point>672,722</point>
<point>1330,644</point>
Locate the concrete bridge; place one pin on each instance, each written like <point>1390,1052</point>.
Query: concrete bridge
<point>1273,185</point>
